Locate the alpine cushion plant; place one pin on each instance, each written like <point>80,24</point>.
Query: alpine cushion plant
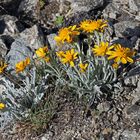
<point>82,73</point>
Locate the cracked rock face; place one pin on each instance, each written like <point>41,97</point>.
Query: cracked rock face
<point>10,25</point>
<point>85,5</point>
<point>29,11</point>
<point>127,28</point>
<point>9,6</point>
<point>18,52</point>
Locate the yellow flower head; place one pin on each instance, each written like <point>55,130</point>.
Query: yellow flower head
<point>66,34</point>
<point>83,67</point>
<point>2,106</point>
<point>2,66</point>
<point>68,57</point>
<point>22,65</point>
<point>101,49</point>
<point>91,25</point>
<point>60,54</point>
<point>121,54</point>
<point>42,53</point>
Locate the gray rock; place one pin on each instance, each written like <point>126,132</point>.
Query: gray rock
<point>134,5</point>
<point>85,5</point>
<point>33,37</point>
<point>47,136</point>
<point>10,28</point>
<point>51,41</point>
<point>134,112</point>
<point>18,52</point>
<point>127,29</point>
<point>130,135</point>
<point>29,11</point>
<point>10,25</point>
<point>132,80</point>
<point>111,11</point>
<point>138,16</point>
<point>3,48</point>
<point>9,6</point>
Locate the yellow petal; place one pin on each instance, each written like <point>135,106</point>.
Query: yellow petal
<point>2,105</point>
<point>130,60</point>
<point>123,60</point>
<point>71,63</point>
<point>73,27</point>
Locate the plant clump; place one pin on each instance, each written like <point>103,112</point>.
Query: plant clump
<point>82,71</point>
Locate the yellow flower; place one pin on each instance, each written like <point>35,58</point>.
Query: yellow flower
<point>60,54</point>
<point>115,65</point>
<point>66,34</point>
<point>22,65</point>
<point>42,53</point>
<point>2,66</point>
<point>83,67</point>
<point>101,49</point>
<point>91,25</point>
<point>2,106</point>
<point>121,54</point>
<point>68,57</point>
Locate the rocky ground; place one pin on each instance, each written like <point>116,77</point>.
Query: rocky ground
<point>26,25</point>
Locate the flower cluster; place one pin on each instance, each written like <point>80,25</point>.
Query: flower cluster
<point>92,25</point>
<point>67,34</point>
<point>83,69</point>
<point>116,52</point>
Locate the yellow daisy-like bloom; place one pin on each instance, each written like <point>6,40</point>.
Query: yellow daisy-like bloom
<point>68,57</point>
<point>2,66</point>
<point>60,54</point>
<point>91,25</point>
<point>121,54</point>
<point>102,49</point>
<point>66,34</point>
<point>42,53</point>
<point>2,106</point>
<point>83,67</point>
<point>22,65</point>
